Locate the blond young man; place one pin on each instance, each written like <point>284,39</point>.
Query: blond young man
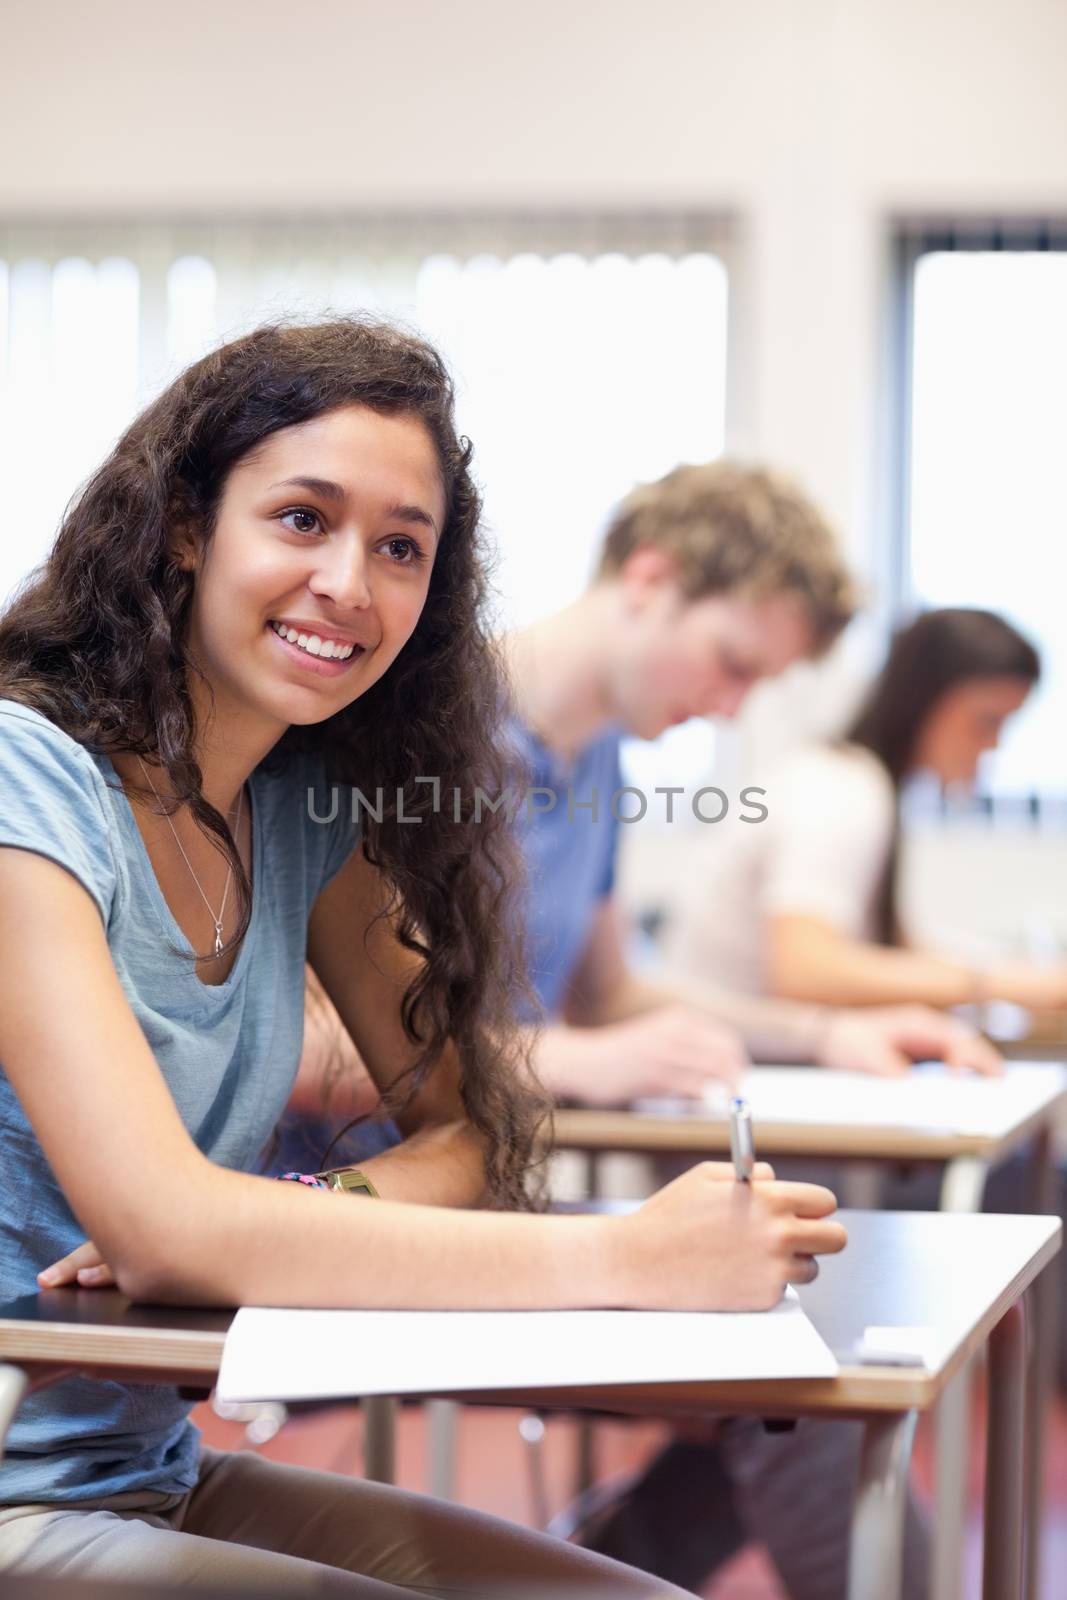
<point>712,579</point>
<point>709,581</point>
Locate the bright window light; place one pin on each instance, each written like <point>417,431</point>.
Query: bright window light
<point>989,418</point>
<point>578,375</point>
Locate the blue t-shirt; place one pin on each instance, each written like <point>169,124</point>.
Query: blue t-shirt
<point>569,850</point>
<point>229,1055</point>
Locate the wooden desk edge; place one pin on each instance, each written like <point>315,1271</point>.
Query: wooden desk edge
<point>643,1134</point>
<point>138,1350</point>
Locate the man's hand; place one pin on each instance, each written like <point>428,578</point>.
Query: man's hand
<point>675,1050</point>
<point>886,1040</point>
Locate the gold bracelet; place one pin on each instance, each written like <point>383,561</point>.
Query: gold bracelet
<point>348,1180</point>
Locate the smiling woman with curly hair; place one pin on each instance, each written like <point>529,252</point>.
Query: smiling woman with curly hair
<point>265,607</point>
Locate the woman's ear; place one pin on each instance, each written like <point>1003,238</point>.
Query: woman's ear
<point>181,556</point>
<point>183,543</point>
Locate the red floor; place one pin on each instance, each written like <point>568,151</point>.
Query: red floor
<point>493,1476</point>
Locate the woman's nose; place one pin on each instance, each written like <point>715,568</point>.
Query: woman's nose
<point>342,576</point>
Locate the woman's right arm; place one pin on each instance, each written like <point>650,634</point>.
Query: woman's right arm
<point>809,959</point>
<point>824,848</point>
<point>176,1227</point>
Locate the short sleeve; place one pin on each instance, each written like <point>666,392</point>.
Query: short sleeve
<point>611,783</point>
<point>52,801</point>
<point>828,836</point>
<point>334,831</point>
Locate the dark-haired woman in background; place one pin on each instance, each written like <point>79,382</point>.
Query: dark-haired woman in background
<point>805,903</point>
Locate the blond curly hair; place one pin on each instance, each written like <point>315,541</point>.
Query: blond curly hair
<point>732,528</point>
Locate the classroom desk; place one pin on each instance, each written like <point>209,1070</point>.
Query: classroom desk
<point>1045,1039</point>
<point>893,1274</point>
<point>818,1125</point>
<point>1028,1102</point>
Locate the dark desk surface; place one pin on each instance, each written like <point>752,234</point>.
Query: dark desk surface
<point>954,1274</point>
<point>102,1333</point>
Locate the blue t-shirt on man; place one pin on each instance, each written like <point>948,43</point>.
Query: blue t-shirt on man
<point>569,833</point>
<point>228,1053</point>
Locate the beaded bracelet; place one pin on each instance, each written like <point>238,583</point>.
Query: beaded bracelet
<point>304,1177</point>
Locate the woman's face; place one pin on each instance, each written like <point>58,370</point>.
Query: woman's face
<point>325,531</point>
<point>964,723</point>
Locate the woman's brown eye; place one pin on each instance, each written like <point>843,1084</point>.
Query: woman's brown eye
<point>301,521</point>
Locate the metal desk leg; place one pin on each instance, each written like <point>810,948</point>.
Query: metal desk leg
<point>1002,1577</point>
<point>861,1186</point>
<point>1043,1330</point>
<point>962,1186</point>
<point>585,1427</point>
<point>442,1417</point>
<point>379,1438</point>
<point>875,1563</point>
<point>13,1385</point>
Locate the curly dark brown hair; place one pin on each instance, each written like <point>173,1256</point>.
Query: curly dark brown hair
<point>95,641</point>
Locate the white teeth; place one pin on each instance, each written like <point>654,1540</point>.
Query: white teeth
<point>325,649</point>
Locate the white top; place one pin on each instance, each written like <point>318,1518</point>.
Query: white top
<point>819,852</point>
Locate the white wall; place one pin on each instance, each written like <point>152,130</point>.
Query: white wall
<point>812,121</point>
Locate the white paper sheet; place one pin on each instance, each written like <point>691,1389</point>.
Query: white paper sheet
<point>930,1097</point>
<point>273,1354</point>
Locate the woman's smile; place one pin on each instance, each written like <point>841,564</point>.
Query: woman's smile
<point>317,653</point>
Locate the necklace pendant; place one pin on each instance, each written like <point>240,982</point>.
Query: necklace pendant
<point>218,938</point>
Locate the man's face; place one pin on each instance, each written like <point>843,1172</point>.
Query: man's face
<point>683,658</point>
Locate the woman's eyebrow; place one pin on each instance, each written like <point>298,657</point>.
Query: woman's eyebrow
<point>412,514</point>
<point>321,486</point>
<point>328,490</point>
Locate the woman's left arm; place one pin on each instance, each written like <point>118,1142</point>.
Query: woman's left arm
<point>365,971</point>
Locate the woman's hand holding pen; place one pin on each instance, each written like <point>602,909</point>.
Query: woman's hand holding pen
<point>709,1243</point>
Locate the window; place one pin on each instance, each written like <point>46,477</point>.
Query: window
<point>589,354</point>
<point>986,523</point>
<point>586,357</point>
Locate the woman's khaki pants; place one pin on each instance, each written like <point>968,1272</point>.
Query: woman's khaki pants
<point>257,1524</point>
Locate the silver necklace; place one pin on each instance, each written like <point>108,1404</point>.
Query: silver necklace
<point>217,920</point>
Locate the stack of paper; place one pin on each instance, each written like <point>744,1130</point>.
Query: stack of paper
<point>275,1354</point>
<point>931,1098</point>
